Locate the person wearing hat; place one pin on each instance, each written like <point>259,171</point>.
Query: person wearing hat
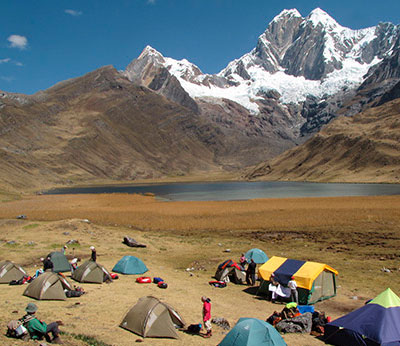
<point>64,249</point>
<point>207,315</point>
<point>38,329</point>
<point>48,264</point>
<point>74,264</point>
<point>93,257</point>
<point>294,295</point>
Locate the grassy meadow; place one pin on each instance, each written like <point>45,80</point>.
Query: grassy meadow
<point>358,236</point>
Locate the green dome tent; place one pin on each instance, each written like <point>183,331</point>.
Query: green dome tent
<point>10,271</point>
<point>48,286</point>
<point>91,272</point>
<point>130,265</point>
<point>252,332</point>
<point>150,317</point>
<point>59,261</point>
<point>257,255</point>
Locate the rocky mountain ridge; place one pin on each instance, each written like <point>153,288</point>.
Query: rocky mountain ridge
<point>311,63</point>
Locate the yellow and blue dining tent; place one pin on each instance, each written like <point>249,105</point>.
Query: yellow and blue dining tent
<point>315,281</point>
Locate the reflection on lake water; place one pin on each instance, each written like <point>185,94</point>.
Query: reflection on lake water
<point>230,191</point>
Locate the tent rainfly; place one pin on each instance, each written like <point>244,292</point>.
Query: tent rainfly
<point>130,265</point>
<point>252,332</point>
<point>150,317</point>
<point>315,281</point>
<point>377,323</point>
<point>91,272</point>
<point>257,255</point>
<point>230,271</point>
<point>10,271</point>
<point>48,286</point>
<point>60,262</point>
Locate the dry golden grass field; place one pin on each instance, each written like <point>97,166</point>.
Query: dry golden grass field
<point>358,236</point>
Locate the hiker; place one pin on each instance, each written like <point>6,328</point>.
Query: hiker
<point>207,315</point>
<point>73,264</point>
<point>294,295</point>
<point>64,249</point>
<point>242,261</point>
<point>93,257</point>
<point>251,273</point>
<point>48,264</point>
<point>38,329</point>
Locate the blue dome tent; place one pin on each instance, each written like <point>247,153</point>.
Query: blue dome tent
<point>252,332</point>
<point>130,265</point>
<point>257,255</point>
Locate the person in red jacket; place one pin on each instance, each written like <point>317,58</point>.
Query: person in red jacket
<point>207,315</point>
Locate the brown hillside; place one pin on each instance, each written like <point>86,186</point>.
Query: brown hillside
<point>363,148</point>
<point>99,126</point>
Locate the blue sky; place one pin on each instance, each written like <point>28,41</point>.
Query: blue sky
<point>43,42</point>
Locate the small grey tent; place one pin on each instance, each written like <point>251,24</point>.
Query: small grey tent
<point>60,262</point>
<point>91,272</point>
<point>150,317</point>
<point>230,271</point>
<point>48,286</point>
<point>10,271</point>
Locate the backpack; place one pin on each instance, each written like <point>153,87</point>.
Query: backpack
<point>194,328</point>
<point>15,329</point>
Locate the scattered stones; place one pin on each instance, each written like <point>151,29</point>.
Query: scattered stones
<point>72,241</point>
<point>65,233</point>
<point>227,250</point>
<point>11,242</point>
<point>222,322</point>
<point>354,297</point>
<point>22,217</point>
<point>86,221</point>
<point>31,243</point>
<point>386,270</point>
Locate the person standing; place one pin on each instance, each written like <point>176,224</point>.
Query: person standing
<point>251,273</point>
<point>64,249</point>
<point>207,315</point>
<point>38,329</point>
<point>242,261</point>
<point>294,295</point>
<point>93,256</point>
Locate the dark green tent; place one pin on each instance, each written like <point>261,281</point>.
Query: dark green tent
<point>60,262</point>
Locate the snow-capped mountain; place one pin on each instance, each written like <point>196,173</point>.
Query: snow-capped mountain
<point>300,59</point>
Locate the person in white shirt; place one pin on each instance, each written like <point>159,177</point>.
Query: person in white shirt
<point>294,296</point>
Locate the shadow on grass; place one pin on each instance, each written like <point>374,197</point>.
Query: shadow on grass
<point>90,340</point>
<point>251,290</point>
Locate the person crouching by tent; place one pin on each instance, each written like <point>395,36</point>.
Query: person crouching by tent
<point>73,264</point>
<point>48,264</point>
<point>207,315</point>
<point>38,329</point>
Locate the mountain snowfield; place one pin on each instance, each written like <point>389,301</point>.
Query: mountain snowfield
<point>346,56</point>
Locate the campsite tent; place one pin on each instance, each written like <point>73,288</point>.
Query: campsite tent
<point>130,265</point>
<point>59,261</point>
<point>91,272</point>
<point>230,270</point>
<point>315,281</point>
<point>150,317</point>
<point>10,271</point>
<point>252,332</point>
<point>48,286</point>
<point>257,255</point>
<point>375,323</point>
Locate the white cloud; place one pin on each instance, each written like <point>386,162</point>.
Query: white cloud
<point>73,13</point>
<point>7,79</point>
<point>17,63</point>
<point>2,61</point>
<point>18,41</point>
<point>152,2</point>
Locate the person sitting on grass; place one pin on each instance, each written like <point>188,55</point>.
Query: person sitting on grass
<point>38,329</point>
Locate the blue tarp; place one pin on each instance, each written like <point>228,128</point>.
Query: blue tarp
<point>287,270</point>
